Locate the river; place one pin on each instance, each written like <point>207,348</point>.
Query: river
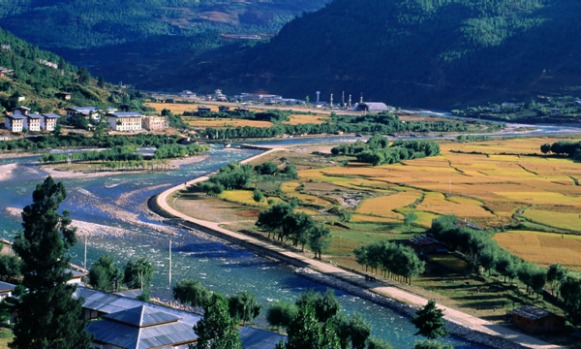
<point>119,224</point>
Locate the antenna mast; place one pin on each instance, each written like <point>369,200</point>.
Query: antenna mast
<point>169,278</point>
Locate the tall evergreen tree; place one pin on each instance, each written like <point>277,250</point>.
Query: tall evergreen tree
<point>429,321</point>
<point>48,315</point>
<point>217,330</point>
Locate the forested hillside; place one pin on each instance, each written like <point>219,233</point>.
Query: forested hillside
<point>40,75</point>
<point>109,36</point>
<point>418,52</point>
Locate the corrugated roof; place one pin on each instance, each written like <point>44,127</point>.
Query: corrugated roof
<point>132,337</point>
<point>4,286</point>
<point>532,313</point>
<point>33,116</point>
<point>142,316</point>
<point>51,116</point>
<point>127,114</point>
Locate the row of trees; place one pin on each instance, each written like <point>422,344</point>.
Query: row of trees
<point>482,252</point>
<point>280,221</point>
<point>105,275</point>
<point>393,259</point>
<point>377,150</point>
<point>369,124</point>
<point>236,176</point>
<point>565,148</point>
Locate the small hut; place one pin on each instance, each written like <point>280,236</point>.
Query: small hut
<point>536,320</point>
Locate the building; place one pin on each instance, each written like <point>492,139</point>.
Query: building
<point>15,122</point>
<point>33,122</point>
<point>5,71</point>
<point>49,121</point>
<point>373,107</point>
<point>204,111</point>
<point>536,320</point>
<point>259,98</point>
<point>124,121</point>
<point>121,322</point>
<point>82,112</point>
<point>6,290</point>
<point>154,123</point>
<point>65,96</point>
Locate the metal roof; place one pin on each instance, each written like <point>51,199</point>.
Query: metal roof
<point>109,329</point>
<point>142,316</point>
<point>4,286</point>
<point>127,114</point>
<point>134,337</point>
<point>83,110</point>
<point>51,116</point>
<point>532,313</point>
<point>33,116</point>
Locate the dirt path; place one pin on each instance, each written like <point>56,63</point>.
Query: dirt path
<point>508,337</point>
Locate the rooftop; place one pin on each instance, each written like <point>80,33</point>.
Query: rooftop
<point>532,313</point>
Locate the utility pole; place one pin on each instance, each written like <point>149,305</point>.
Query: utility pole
<point>169,288</point>
<point>85,256</point>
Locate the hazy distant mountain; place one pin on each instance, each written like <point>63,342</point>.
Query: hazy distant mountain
<point>415,52</point>
<point>117,39</point>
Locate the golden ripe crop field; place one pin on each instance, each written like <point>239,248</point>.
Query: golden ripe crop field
<point>384,206</point>
<point>487,188</point>
<point>543,248</point>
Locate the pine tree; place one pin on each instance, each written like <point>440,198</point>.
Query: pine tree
<point>429,321</point>
<point>217,330</point>
<point>48,316</point>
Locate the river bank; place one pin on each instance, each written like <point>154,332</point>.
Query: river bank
<point>464,325</point>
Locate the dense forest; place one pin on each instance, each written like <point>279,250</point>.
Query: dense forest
<point>90,33</point>
<point>39,75</point>
<point>432,53</point>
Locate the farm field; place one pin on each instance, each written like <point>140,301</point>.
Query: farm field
<point>509,183</point>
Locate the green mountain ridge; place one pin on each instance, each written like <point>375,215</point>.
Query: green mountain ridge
<point>40,75</point>
<point>109,37</point>
<point>430,53</point>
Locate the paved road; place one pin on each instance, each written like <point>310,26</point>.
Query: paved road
<point>457,317</point>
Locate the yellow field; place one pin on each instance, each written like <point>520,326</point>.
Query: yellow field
<point>384,206</point>
<point>307,119</point>
<point>543,248</point>
<point>179,108</point>
<point>485,189</point>
<point>222,123</point>
<point>243,197</point>
<point>563,220</point>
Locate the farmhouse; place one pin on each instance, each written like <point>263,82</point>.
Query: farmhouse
<point>204,111</point>
<point>124,121</point>
<point>5,71</point>
<point>122,322</point>
<point>65,96</point>
<point>537,320</point>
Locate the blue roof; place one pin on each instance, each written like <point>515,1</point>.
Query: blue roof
<point>51,116</point>
<point>120,329</point>
<point>127,114</point>
<point>33,116</point>
<point>4,286</point>
<point>142,316</point>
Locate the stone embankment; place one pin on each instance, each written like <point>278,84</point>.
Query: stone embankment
<point>461,324</point>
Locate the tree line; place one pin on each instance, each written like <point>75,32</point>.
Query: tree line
<point>482,252</point>
<point>236,176</point>
<point>377,150</point>
<point>395,260</point>
<point>366,124</point>
<point>569,149</point>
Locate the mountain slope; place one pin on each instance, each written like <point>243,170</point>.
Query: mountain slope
<point>40,75</point>
<point>141,30</point>
<point>434,53</point>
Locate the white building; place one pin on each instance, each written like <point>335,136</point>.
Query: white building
<point>125,121</point>
<point>33,122</point>
<point>15,122</point>
<point>154,123</point>
<point>48,121</point>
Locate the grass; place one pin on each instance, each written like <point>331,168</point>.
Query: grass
<point>552,218</point>
<point>6,336</point>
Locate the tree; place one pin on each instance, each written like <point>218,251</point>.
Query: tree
<point>9,267</point>
<point>191,292</point>
<point>555,275</point>
<point>546,148</point>
<point>429,321</point>
<point>217,330</point>
<point>409,218</point>
<point>374,343</point>
<point>271,218</point>
<point>318,239</point>
<point>243,306</point>
<point>138,274</point>
<point>48,315</point>
<point>571,294</point>
<point>104,275</point>
<point>359,331</point>
<point>305,331</point>
<point>430,344</point>
<point>281,314</point>
<point>257,195</point>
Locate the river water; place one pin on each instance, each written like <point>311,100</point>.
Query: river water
<point>114,207</point>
